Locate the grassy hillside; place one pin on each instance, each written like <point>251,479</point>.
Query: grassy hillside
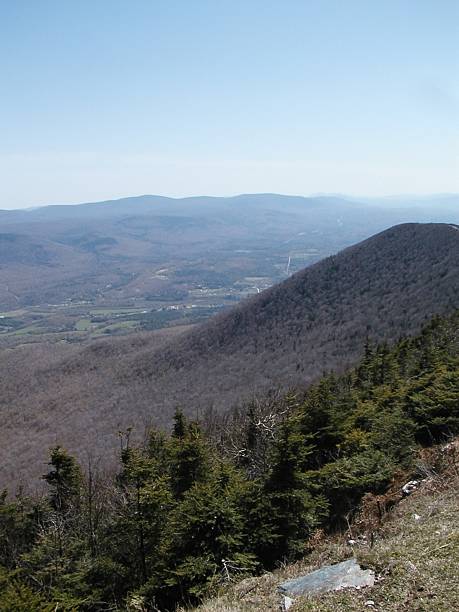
<point>414,553</point>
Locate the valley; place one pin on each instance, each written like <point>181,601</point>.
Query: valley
<point>246,349</point>
<point>90,383</point>
<point>168,297</point>
<point>246,400</point>
<point>76,273</point>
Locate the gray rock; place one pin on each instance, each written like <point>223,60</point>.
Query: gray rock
<point>347,574</point>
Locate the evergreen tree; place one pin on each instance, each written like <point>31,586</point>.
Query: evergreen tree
<point>64,479</point>
<point>209,541</point>
<point>190,456</point>
<point>19,526</point>
<point>179,519</point>
<point>180,425</point>
<point>294,511</point>
<point>136,536</point>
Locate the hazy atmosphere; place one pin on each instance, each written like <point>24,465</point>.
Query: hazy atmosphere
<point>229,305</point>
<point>107,99</point>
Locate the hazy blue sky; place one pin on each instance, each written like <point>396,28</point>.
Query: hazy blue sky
<point>106,98</point>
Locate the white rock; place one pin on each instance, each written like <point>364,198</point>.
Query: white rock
<point>416,517</point>
<point>288,602</point>
<point>410,486</point>
<point>370,602</point>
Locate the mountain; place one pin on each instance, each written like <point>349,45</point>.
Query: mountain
<point>314,321</point>
<point>148,205</point>
<point>286,336</point>
<point>29,264</point>
<point>362,466</point>
<point>111,251</point>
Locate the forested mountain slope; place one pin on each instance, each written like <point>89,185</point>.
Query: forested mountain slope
<point>187,513</point>
<point>382,287</point>
<point>316,320</point>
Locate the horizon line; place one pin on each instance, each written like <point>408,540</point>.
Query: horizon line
<point>388,197</point>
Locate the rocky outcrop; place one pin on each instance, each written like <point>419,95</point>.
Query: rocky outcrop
<point>347,574</point>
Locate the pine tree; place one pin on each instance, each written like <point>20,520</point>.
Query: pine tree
<point>64,479</point>
<point>209,539</point>
<point>146,499</point>
<point>190,456</point>
<point>180,425</point>
<point>295,512</point>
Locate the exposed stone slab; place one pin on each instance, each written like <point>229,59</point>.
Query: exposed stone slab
<point>347,574</point>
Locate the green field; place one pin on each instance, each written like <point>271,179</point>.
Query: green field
<point>114,311</point>
<point>83,325</point>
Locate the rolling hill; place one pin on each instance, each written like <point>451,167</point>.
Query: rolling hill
<point>110,252</point>
<point>316,320</point>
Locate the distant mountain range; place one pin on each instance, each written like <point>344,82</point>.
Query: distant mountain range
<point>108,252</point>
<point>154,204</point>
<point>316,320</point>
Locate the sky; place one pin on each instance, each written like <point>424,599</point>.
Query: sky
<point>102,99</point>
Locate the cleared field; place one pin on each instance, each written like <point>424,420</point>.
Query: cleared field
<point>115,311</point>
<point>83,324</point>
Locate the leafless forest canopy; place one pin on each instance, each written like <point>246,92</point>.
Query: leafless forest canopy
<point>80,396</point>
<point>110,268</point>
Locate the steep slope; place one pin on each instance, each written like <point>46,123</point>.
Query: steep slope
<point>317,319</point>
<point>414,554</point>
<point>318,488</point>
<point>288,335</point>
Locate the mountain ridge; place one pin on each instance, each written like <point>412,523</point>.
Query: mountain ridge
<point>297,279</point>
<point>317,320</point>
<point>111,246</point>
<point>156,198</point>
